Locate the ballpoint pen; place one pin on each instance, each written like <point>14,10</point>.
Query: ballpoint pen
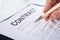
<point>49,12</point>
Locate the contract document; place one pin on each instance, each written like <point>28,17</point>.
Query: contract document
<point>21,26</point>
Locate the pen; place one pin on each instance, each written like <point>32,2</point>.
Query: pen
<point>49,12</point>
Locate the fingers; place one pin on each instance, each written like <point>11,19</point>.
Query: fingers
<point>55,15</point>
<point>47,18</point>
<point>49,4</point>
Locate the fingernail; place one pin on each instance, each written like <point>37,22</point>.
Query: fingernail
<point>55,17</point>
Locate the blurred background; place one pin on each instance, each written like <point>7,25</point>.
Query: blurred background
<point>9,7</point>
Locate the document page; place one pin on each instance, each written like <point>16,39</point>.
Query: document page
<point>23,22</point>
<point>0,3</point>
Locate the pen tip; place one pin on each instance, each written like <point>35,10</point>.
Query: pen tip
<point>38,19</point>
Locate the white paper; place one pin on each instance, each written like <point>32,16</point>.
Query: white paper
<point>21,26</point>
<point>9,7</point>
<point>0,3</point>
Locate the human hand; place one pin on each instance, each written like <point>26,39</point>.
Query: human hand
<point>56,13</point>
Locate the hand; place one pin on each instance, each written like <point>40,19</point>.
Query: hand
<point>56,13</point>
